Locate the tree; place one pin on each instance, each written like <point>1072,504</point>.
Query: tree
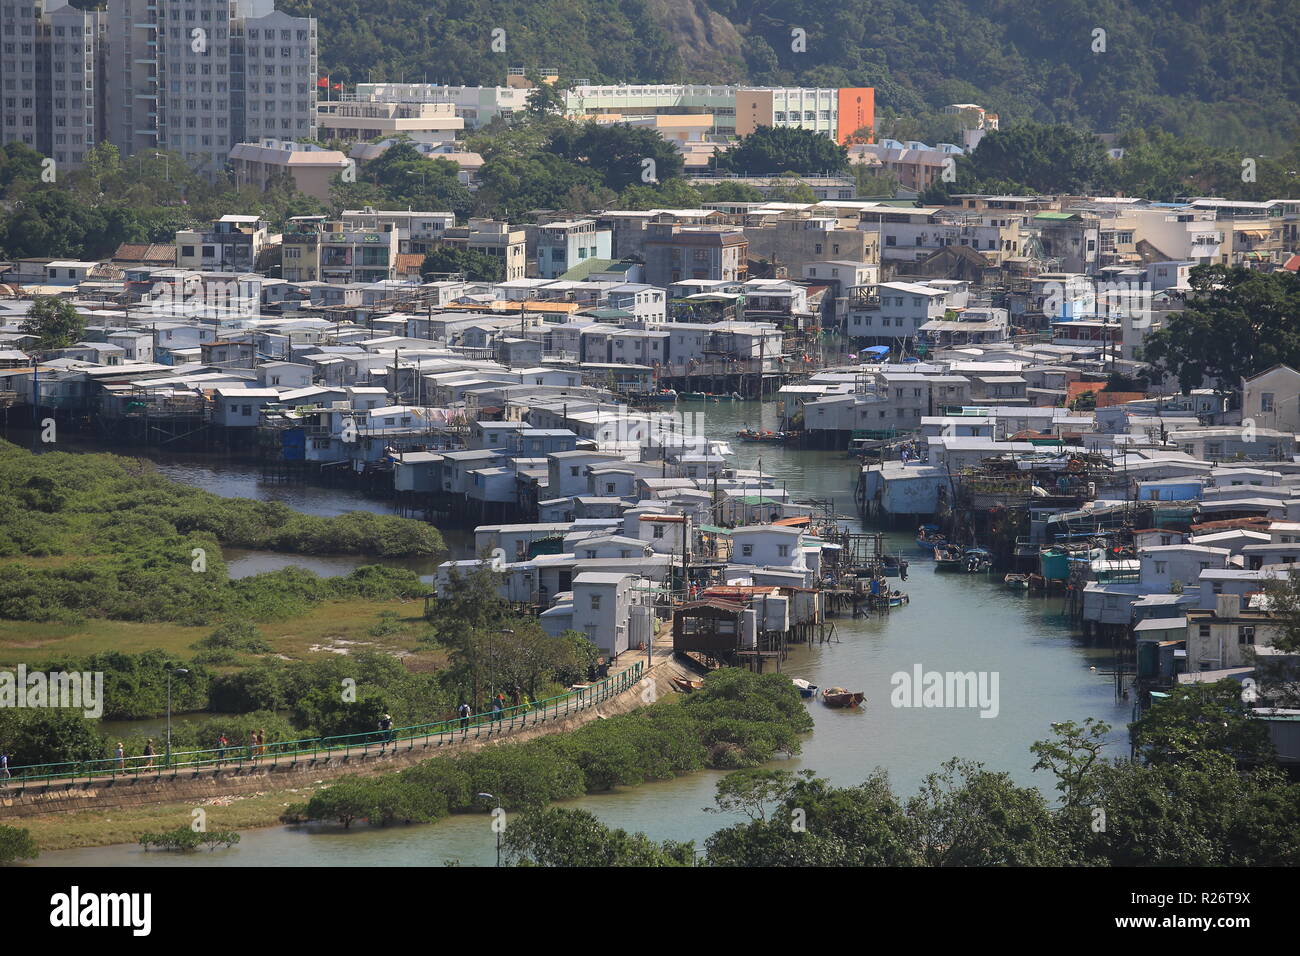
<point>1237,322</point>
<point>621,154</point>
<point>405,176</point>
<point>752,792</point>
<point>968,816</point>
<point>16,844</point>
<point>732,192</point>
<point>344,801</point>
<point>1279,674</point>
<point>544,99</point>
<point>1201,725</point>
<point>511,187</point>
<point>868,182</point>
<point>1072,756</point>
<point>671,194</point>
<point>815,825</point>
<point>1032,157</point>
<point>769,151</point>
<point>559,837</point>
<point>1185,815</point>
<point>476,266</point>
<point>1084,402</point>
<point>790,188</point>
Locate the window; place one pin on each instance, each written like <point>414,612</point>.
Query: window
<point>1161,567</point>
<point>783,550</point>
<point>1204,632</point>
<point>1246,634</point>
<point>747,550</point>
<point>1266,401</point>
<point>658,531</point>
<point>595,602</point>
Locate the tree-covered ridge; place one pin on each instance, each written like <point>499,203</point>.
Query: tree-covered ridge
<point>451,41</point>
<point>1219,70</point>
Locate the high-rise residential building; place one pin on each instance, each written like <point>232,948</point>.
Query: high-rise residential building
<point>279,71</point>
<point>50,62</point>
<point>131,76</point>
<point>230,71</point>
<point>195,77</point>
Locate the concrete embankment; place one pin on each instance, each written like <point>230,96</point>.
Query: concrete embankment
<point>24,800</point>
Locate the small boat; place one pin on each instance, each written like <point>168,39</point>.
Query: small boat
<point>806,689</point>
<point>839,697</point>
<point>1017,582</point>
<point>686,684</point>
<point>975,560</point>
<point>929,535</point>
<point>666,396</point>
<point>751,435</point>
<point>897,599</point>
<point>947,557</point>
<point>707,397</point>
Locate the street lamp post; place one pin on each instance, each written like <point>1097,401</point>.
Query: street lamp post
<point>179,672</point>
<point>495,826</point>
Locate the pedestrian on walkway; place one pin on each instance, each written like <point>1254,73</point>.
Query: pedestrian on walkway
<point>514,696</point>
<point>222,743</point>
<point>252,745</point>
<point>463,710</point>
<point>385,732</point>
<point>528,704</point>
<point>4,766</point>
<point>261,742</point>
<point>148,753</point>
<point>496,708</point>
<point>119,753</point>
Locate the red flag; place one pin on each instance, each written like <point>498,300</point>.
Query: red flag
<point>338,86</point>
<point>321,82</point>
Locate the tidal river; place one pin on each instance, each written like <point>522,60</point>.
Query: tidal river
<point>954,622</point>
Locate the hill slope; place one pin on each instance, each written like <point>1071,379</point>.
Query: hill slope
<point>1222,70</point>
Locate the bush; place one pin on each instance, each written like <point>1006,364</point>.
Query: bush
<point>235,636</point>
<point>187,840</point>
<point>16,844</point>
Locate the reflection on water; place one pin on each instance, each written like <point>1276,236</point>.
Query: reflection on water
<point>954,622</point>
<point>242,563</point>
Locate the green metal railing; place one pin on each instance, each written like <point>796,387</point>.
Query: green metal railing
<point>342,747</point>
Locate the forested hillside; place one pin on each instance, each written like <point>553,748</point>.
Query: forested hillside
<point>1220,70</point>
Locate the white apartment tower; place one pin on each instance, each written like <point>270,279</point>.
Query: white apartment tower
<point>230,71</point>
<point>192,76</point>
<point>50,60</point>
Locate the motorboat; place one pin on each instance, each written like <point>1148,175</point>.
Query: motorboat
<point>947,557</point>
<point>806,690</point>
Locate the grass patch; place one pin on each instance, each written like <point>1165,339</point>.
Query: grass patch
<point>89,828</point>
<point>324,626</point>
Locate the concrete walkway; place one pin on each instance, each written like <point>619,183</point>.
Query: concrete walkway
<point>288,771</point>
